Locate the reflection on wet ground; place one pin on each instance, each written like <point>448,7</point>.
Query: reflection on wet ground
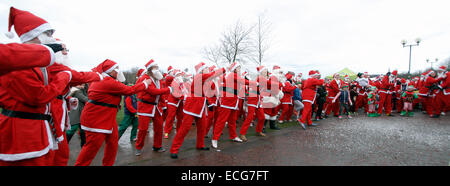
<point>417,140</point>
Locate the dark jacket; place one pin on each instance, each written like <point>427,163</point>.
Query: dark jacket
<point>75,115</point>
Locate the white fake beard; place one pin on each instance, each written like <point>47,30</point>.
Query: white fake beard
<point>45,39</point>
<point>179,79</point>
<point>157,75</point>
<point>120,77</point>
<point>62,59</point>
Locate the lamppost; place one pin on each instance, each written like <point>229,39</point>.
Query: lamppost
<point>410,49</point>
<point>431,62</point>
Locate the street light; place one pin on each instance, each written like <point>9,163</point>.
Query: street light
<point>431,62</point>
<point>404,43</point>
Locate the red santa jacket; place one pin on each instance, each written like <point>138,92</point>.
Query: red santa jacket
<point>151,97</point>
<point>334,88</point>
<point>99,113</point>
<point>232,84</point>
<point>309,90</point>
<point>60,106</point>
<point>195,103</point>
<point>288,91</point>
<point>256,93</point>
<point>177,96</point>
<point>15,56</point>
<point>445,84</point>
<point>25,94</point>
<point>212,93</point>
<point>425,89</point>
<point>386,86</point>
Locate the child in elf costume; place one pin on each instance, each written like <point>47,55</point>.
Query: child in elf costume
<point>372,102</point>
<point>408,98</point>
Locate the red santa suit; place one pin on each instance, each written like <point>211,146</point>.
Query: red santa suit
<point>60,107</point>
<point>309,96</point>
<point>427,94</point>
<point>385,93</point>
<point>443,95</point>
<point>333,90</point>
<point>98,117</point>
<point>270,110</point>
<point>195,107</point>
<point>229,103</point>
<point>399,89</point>
<point>174,105</point>
<point>212,97</point>
<point>254,102</point>
<point>150,107</point>
<point>27,136</point>
<point>286,102</point>
<point>15,56</point>
<point>361,88</point>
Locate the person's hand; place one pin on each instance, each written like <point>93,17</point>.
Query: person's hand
<point>334,100</point>
<point>147,81</point>
<point>55,47</point>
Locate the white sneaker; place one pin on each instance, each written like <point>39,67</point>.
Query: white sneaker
<point>442,113</point>
<point>138,152</point>
<point>214,144</point>
<point>237,139</point>
<point>280,121</point>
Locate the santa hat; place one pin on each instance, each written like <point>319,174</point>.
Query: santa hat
<point>335,74</point>
<point>366,73</point>
<point>313,73</point>
<point>288,76</point>
<point>140,72</point>
<point>261,68</point>
<point>233,66</point>
<point>275,67</point>
<point>403,81</point>
<point>244,73</point>
<point>26,25</point>
<point>394,72</point>
<point>442,68</point>
<point>212,68</point>
<point>345,85</point>
<point>150,64</point>
<point>170,69</point>
<point>199,67</point>
<point>346,77</point>
<point>106,66</point>
<point>299,74</point>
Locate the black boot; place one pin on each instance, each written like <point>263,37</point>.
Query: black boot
<point>273,125</point>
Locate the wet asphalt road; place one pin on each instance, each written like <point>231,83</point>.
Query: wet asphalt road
<point>417,140</point>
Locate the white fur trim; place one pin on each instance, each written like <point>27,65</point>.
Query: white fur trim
<point>35,32</point>
<point>26,155</point>
<point>151,65</point>
<point>112,68</point>
<point>96,130</point>
<point>52,55</point>
<point>9,35</point>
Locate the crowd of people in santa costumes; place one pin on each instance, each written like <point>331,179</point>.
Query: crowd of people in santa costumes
<point>36,83</point>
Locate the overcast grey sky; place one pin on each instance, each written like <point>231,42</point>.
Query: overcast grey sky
<point>363,35</point>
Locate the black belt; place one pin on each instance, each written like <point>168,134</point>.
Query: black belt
<point>148,102</point>
<point>26,115</point>
<point>102,104</point>
<point>59,97</point>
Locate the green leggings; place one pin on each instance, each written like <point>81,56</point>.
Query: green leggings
<point>126,122</point>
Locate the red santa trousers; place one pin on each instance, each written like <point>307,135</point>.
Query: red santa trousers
<point>229,115</point>
<point>441,102</point>
<point>144,122</point>
<point>250,116</point>
<point>45,160</point>
<point>361,101</point>
<point>94,141</point>
<point>211,119</point>
<point>286,112</point>
<point>385,101</point>
<point>173,112</point>
<point>184,129</point>
<point>332,106</point>
<point>306,113</point>
<point>400,104</point>
<point>428,104</point>
<point>61,156</point>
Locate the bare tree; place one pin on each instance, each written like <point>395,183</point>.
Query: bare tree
<point>131,75</point>
<point>236,43</point>
<point>261,40</point>
<point>212,54</point>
